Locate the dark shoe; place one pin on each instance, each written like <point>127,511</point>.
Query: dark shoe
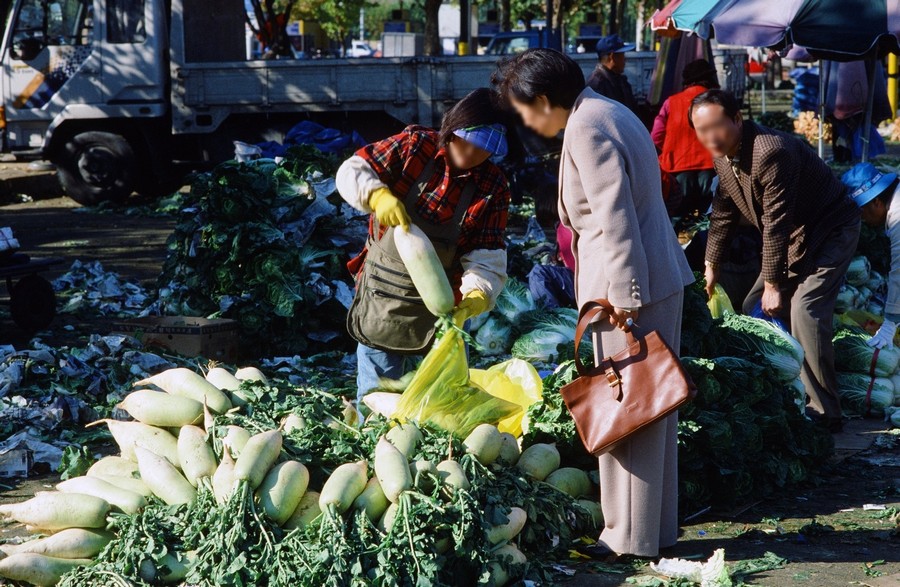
<point>597,551</point>
<point>833,425</point>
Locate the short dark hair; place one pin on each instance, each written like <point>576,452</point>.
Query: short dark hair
<point>540,72</point>
<point>716,97</point>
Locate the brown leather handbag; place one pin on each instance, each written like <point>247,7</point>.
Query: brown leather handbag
<point>635,388</point>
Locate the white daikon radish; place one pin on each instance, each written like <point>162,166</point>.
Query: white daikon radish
<point>157,408</point>
<point>123,500</point>
<point>58,511</point>
<point>129,434</point>
<point>222,379</point>
<point>425,269</point>
<point>195,454</point>
<point>185,383</point>
<point>133,484</point>
<point>37,569</point>
<point>163,478</point>
<point>251,374</point>
<point>70,543</point>
<point>113,466</point>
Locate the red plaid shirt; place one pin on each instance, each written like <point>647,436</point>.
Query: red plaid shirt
<point>400,160</point>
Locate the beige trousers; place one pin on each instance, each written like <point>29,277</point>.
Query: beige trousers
<point>639,478</point>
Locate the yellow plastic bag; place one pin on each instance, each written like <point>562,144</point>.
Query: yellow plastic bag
<point>441,393</point>
<point>516,381</point>
<point>719,304</point>
<point>861,319</point>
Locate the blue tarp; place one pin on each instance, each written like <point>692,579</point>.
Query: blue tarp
<point>328,140</point>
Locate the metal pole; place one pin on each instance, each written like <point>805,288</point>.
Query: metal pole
<point>823,67</point>
<point>464,18</point>
<point>892,83</point>
<point>865,133</point>
<point>639,27</point>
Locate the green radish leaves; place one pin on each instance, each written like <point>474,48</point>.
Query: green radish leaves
<point>75,462</point>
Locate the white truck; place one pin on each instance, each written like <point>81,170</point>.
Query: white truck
<point>125,95</point>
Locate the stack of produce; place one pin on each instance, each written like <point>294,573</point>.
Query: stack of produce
<point>246,248</point>
<point>518,327</point>
<point>807,126</point>
<point>741,336</point>
<point>857,365</point>
<point>864,290</point>
<point>742,437</point>
<point>231,480</point>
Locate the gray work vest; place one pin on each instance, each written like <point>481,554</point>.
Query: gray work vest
<point>387,312</point>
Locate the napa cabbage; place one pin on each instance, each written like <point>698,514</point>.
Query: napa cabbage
<point>745,336</point>
<point>854,387</point>
<point>852,354</point>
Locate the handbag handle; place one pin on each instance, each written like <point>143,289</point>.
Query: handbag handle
<point>587,315</point>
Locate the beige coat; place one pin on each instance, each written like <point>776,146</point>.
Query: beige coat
<point>611,198</point>
<point>626,251</point>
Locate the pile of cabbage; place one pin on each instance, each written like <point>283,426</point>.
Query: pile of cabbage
<point>859,367</point>
<point>865,289</point>
<point>517,326</point>
<point>859,309</point>
<point>743,436</point>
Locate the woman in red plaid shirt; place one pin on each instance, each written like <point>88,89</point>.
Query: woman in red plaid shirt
<point>445,183</point>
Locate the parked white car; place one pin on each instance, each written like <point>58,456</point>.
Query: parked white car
<point>360,49</point>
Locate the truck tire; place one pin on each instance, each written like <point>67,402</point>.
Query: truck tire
<point>97,167</point>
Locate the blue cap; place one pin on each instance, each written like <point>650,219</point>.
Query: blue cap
<point>613,44</point>
<point>490,137</point>
<point>866,182</point>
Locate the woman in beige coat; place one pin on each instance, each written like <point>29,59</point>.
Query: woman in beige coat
<point>626,252</point>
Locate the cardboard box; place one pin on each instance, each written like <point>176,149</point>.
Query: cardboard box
<point>192,337</point>
<point>16,463</point>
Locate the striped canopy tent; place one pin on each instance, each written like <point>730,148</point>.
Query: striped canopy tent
<point>690,16</point>
<point>839,30</point>
<point>842,30</point>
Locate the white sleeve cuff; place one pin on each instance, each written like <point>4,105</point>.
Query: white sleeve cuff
<point>356,180</point>
<point>484,270</point>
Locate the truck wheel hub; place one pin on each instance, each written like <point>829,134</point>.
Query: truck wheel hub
<point>98,166</point>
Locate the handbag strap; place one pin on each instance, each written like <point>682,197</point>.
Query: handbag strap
<point>871,382</point>
<point>588,314</point>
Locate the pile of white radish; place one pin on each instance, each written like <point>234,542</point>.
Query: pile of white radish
<point>167,453</point>
<point>163,453</point>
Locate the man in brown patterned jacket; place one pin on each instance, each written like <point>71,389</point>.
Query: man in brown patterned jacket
<point>809,225</point>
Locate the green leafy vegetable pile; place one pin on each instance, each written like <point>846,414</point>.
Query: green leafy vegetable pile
<point>743,436</point>
<point>245,248</point>
<point>743,336</point>
<point>438,535</point>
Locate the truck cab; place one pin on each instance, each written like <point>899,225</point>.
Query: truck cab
<point>66,62</point>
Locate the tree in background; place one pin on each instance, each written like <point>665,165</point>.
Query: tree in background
<point>432,30</point>
<point>338,18</point>
<point>527,11</point>
<point>271,26</point>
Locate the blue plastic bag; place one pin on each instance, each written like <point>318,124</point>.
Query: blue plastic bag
<point>758,313</point>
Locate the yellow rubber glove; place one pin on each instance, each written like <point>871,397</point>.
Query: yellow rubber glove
<point>389,210</point>
<point>473,303</point>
